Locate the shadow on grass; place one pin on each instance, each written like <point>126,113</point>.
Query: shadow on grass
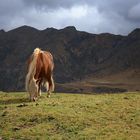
<point>14,101</point>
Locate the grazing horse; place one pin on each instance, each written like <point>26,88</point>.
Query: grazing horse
<point>40,69</point>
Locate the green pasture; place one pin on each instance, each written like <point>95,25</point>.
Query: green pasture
<point>70,117</point>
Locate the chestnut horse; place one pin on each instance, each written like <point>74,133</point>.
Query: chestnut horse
<point>40,73</point>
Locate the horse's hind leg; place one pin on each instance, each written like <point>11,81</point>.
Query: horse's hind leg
<point>39,90</point>
<point>51,86</point>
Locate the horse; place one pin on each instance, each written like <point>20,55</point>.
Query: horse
<point>40,67</point>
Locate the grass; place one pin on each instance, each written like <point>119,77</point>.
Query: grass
<point>70,117</point>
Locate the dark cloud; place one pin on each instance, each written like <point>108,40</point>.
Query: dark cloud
<point>134,12</point>
<point>51,4</point>
<point>95,16</point>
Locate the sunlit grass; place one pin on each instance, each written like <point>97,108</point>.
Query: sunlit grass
<point>70,116</point>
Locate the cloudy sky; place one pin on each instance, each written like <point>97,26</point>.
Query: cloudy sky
<point>94,16</point>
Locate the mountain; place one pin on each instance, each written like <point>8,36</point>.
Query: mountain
<point>81,59</point>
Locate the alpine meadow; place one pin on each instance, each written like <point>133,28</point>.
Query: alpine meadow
<point>70,117</point>
<point>70,70</point>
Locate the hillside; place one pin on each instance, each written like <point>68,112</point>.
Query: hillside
<point>70,117</point>
<point>78,56</point>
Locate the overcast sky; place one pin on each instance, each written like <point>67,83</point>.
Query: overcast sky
<point>94,16</point>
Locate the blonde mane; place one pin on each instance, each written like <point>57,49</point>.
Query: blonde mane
<point>37,51</point>
<point>32,69</point>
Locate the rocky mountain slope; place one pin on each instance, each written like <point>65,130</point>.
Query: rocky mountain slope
<point>77,55</point>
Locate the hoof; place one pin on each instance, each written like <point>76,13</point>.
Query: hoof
<point>34,99</point>
<point>48,96</point>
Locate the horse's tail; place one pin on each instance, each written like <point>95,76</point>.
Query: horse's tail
<point>32,68</point>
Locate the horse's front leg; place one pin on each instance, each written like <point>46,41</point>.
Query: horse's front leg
<point>39,88</point>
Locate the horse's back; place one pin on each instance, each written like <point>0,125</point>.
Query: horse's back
<point>44,65</point>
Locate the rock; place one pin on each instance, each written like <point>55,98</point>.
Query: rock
<point>22,105</point>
